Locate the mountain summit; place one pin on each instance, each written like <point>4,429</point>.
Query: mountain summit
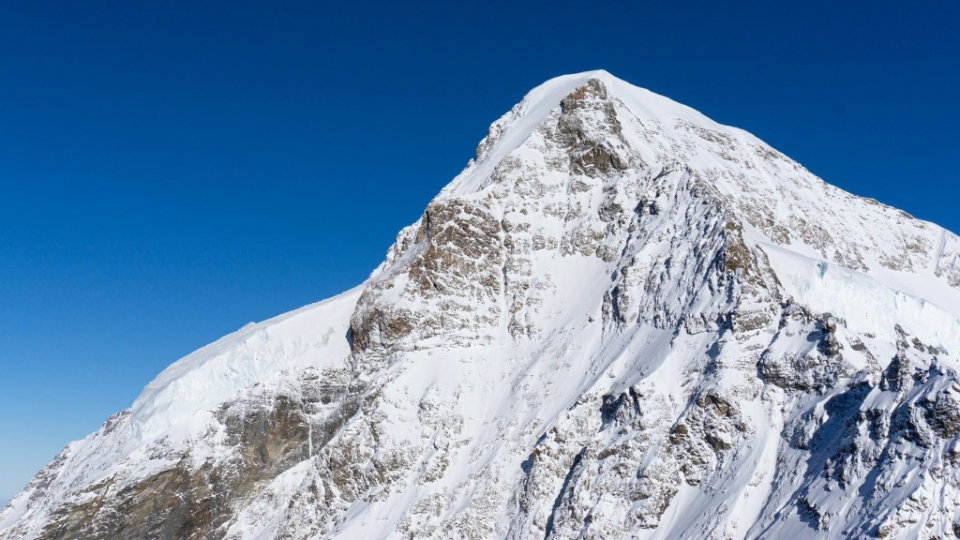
<point>621,320</point>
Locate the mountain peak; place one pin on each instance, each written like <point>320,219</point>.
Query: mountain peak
<point>622,319</point>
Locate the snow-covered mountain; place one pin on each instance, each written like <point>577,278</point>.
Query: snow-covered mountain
<point>621,320</point>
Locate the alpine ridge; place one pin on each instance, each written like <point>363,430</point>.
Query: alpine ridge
<point>621,320</point>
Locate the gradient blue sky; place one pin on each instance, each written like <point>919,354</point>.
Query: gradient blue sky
<point>172,170</point>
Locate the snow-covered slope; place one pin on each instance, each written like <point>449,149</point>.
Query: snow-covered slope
<point>620,320</point>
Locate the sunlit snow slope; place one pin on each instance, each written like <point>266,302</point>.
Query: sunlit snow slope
<point>621,320</point>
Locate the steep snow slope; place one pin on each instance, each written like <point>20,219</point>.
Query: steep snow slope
<point>620,320</point>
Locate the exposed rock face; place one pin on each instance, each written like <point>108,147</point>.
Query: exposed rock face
<point>622,320</point>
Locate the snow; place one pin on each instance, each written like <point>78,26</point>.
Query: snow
<point>863,302</point>
<point>201,381</point>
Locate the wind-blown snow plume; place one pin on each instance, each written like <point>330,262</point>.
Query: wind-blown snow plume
<point>620,320</point>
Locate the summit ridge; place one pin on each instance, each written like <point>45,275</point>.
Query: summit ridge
<point>621,320</point>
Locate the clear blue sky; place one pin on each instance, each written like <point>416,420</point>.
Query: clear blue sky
<point>173,170</point>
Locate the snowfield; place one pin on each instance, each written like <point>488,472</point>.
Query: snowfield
<point>621,320</point>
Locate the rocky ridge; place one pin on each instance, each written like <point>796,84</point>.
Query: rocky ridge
<point>621,320</point>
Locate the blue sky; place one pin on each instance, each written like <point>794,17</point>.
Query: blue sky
<point>173,170</point>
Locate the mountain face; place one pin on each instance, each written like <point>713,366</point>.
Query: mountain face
<point>621,320</point>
